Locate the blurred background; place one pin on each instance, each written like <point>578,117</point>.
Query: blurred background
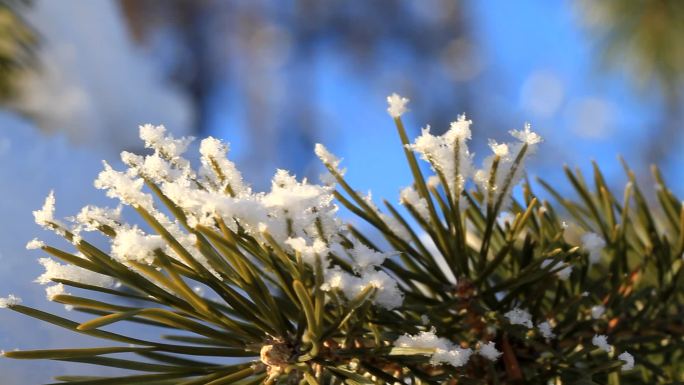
<point>595,79</point>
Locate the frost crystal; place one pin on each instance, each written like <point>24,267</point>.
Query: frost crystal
<point>397,105</point>
<point>593,244</point>
<point>9,301</point>
<point>601,342</point>
<point>448,154</point>
<point>526,135</point>
<point>628,359</point>
<point>499,149</point>
<point>155,137</point>
<point>35,244</point>
<point>91,218</point>
<point>488,350</point>
<point>221,172</point>
<point>519,316</point>
<point>123,186</point>
<point>507,154</point>
<point>46,215</point>
<point>409,196</point>
<point>328,158</point>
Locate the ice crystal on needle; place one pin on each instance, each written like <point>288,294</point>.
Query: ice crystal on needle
<point>9,301</point>
<point>499,181</point>
<point>440,350</point>
<point>601,342</point>
<point>218,170</point>
<point>46,215</point>
<point>131,244</point>
<point>519,316</point>
<point>448,154</point>
<point>123,186</point>
<point>35,244</point>
<point>397,105</point>
<point>546,330</point>
<point>328,158</point>
<point>55,270</point>
<point>156,137</point>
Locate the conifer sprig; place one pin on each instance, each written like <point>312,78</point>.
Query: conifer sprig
<point>466,284</point>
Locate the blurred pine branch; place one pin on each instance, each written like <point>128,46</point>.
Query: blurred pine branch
<point>17,46</point>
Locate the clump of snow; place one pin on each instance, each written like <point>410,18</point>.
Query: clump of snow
<point>9,301</point>
<point>34,244</point>
<point>597,311</point>
<point>156,138</point>
<point>131,244</point>
<point>308,251</point>
<point>387,292</point>
<point>397,105</point>
<point>488,350</point>
<point>46,215</point>
<point>593,244</point>
<point>443,350</point>
<point>601,342</point>
<point>410,197</point>
<point>456,356</point>
<point>519,316</point>
<point>91,218</point>
<point>426,340</point>
<point>52,291</point>
<point>628,360</point>
<point>506,153</point>
<point>218,170</point>
<point>123,186</point>
<point>365,257</point>
<point>337,279</point>
<point>546,330</point>
<point>448,154</point>
<point>56,270</point>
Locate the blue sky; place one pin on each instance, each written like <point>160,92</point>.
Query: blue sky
<point>539,67</point>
